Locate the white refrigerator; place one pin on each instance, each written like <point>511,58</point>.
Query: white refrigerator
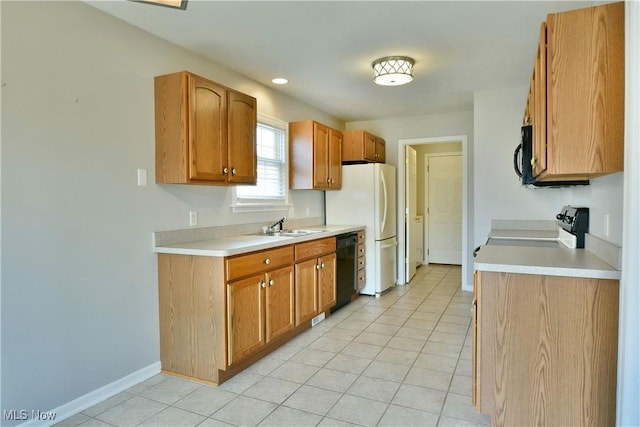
<point>368,197</point>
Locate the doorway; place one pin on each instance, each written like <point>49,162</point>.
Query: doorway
<point>443,200</point>
<point>442,144</point>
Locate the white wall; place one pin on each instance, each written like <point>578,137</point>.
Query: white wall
<point>429,127</point>
<point>79,279</point>
<point>498,194</point>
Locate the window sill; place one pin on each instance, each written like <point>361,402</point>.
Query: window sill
<point>260,207</point>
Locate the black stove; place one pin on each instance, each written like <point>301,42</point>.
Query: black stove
<point>574,220</point>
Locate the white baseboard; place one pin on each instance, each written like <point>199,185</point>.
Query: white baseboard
<point>88,400</point>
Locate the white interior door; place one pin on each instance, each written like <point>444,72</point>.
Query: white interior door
<point>445,209</point>
<point>411,197</point>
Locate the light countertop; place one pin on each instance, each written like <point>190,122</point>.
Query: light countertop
<point>542,258</point>
<point>234,245</point>
<point>558,261</point>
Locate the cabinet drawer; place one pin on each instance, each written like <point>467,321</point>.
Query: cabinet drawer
<point>315,248</point>
<point>256,262</point>
<point>361,279</point>
<point>361,262</point>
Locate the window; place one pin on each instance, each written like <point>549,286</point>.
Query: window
<point>270,192</point>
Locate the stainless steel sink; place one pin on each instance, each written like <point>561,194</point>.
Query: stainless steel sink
<point>292,233</point>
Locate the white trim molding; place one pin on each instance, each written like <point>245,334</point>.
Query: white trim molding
<point>94,397</point>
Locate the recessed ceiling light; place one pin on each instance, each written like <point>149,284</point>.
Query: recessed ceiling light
<point>280,81</point>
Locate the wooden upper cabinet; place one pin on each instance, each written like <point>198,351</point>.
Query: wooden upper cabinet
<point>243,122</point>
<point>360,146</point>
<point>315,153</point>
<point>539,149</point>
<point>578,90</point>
<point>205,132</point>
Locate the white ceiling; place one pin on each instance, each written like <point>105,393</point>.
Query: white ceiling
<point>325,48</point>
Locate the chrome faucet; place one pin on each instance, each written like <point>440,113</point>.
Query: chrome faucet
<point>277,223</point>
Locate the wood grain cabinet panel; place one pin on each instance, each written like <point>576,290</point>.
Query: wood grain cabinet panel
<point>279,303</point>
<point>259,309</point>
<point>205,132</point>
<point>576,101</point>
<point>545,349</point>
<point>315,153</point>
<point>315,278</point>
<point>245,317</point>
<point>360,146</point>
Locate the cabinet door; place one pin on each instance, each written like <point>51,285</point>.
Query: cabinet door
<point>320,156</point>
<point>539,149</point>
<point>369,147</point>
<point>380,150</point>
<point>326,282</point>
<point>306,291</point>
<point>279,302</point>
<point>242,138</point>
<point>207,130</point>
<point>335,159</point>
<point>245,317</point>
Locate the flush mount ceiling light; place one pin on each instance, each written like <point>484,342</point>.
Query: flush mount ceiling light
<point>280,81</point>
<point>177,4</point>
<point>393,70</point>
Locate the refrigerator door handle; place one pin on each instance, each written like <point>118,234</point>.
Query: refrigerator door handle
<point>389,245</point>
<point>384,206</point>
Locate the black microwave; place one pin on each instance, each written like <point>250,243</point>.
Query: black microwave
<point>522,163</point>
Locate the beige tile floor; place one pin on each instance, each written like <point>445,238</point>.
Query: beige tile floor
<point>403,359</point>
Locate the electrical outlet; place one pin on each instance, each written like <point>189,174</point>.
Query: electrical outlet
<point>193,218</point>
<point>308,212</point>
<point>605,225</point>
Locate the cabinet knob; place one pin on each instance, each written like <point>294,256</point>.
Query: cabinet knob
<point>328,180</point>
<point>225,170</point>
<point>233,171</point>
<point>262,284</point>
<point>267,261</point>
<point>317,266</point>
<point>271,282</point>
<point>322,265</point>
<point>533,161</point>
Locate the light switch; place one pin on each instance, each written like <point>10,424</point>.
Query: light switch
<point>142,177</point>
<point>193,218</point>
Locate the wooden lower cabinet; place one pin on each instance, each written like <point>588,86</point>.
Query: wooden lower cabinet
<point>218,315</point>
<point>315,278</point>
<point>259,309</point>
<point>544,349</point>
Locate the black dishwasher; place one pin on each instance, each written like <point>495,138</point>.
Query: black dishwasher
<point>346,268</point>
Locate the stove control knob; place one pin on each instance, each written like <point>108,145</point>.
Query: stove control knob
<point>560,217</point>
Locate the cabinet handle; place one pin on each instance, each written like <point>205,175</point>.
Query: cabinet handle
<point>267,261</point>
<point>271,282</point>
<point>225,170</point>
<point>262,284</point>
<point>233,171</point>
